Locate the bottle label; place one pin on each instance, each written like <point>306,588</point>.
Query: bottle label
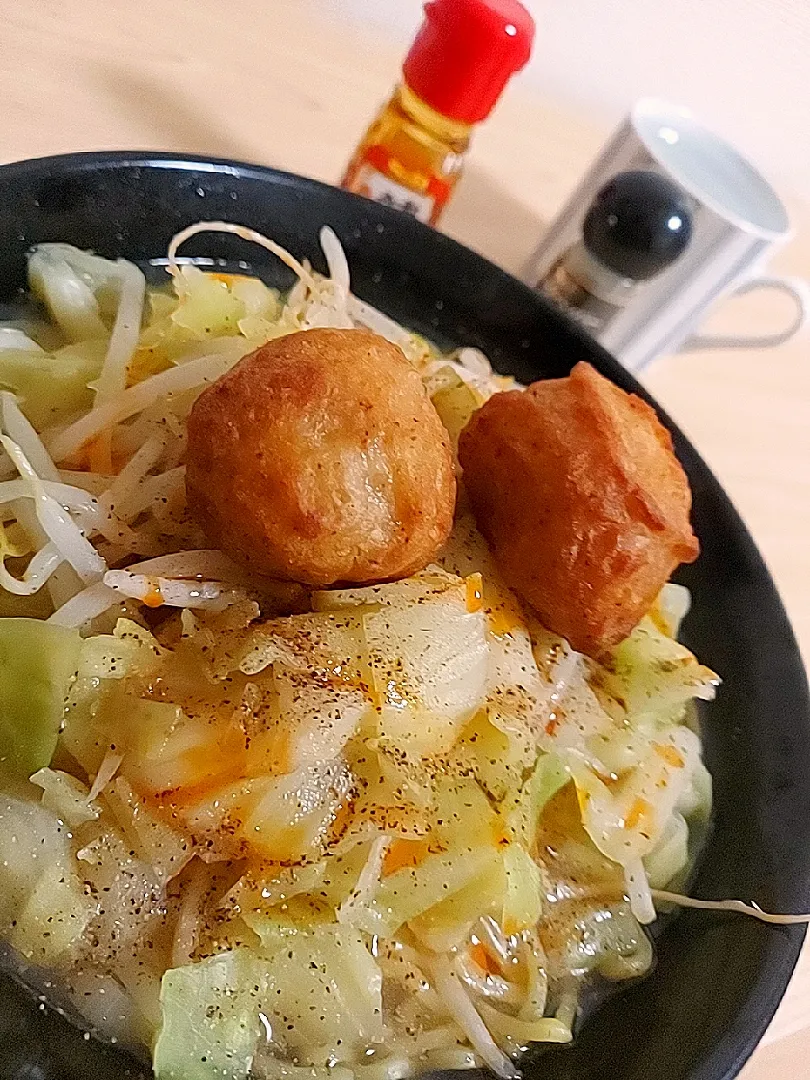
<point>382,189</point>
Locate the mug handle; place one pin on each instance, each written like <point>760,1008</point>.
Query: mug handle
<point>796,288</point>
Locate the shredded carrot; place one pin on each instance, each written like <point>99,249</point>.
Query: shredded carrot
<point>505,618</point>
<point>228,279</point>
<point>475,593</point>
<point>98,454</point>
<point>482,959</point>
<point>553,724</point>
<point>511,926</point>
<point>500,834</point>
<point>154,598</point>
<point>670,754</point>
<point>403,853</point>
<point>639,809</point>
<point>341,821</point>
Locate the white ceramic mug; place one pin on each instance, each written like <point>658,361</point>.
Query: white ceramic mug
<point>738,220</point>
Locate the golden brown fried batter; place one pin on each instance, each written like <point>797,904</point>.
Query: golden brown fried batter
<point>319,458</point>
<point>576,487</point>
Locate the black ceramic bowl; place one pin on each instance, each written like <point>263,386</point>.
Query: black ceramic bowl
<point>718,978</point>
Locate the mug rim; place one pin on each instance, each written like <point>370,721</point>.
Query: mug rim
<point>667,113</point>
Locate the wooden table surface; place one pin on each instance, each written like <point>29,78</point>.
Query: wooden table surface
<point>274,81</point>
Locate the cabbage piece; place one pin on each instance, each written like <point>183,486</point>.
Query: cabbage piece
<point>314,994</point>
<point>546,779</point>
<point>520,699</point>
<point>671,608</point>
<point>426,640</point>
<point>312,892</point>
<point>167,750</point>
<point>463,812</point>
<point>454,400</point>
<point>81,290</point>
<point>670,855</point>
<point>43,910</point>
<point>101,275</point>
<point>37,661</point>
<point>340,882</point>
<point>280,818</point>
<point>51,388</point>
<point>132,913</point>
<point>446,925</point>
<point>695,802</point>
<point>467,553</point>
<point>68,295</point>
<point>498,759</point>
<point>329,643</point>
<point>296,710</point>
<point>411,590</point>
<point>655,677</point>
<point>409,892</point>
<point>303,726</point>
<point>568,855</point>
<point>326,991</point>
<point>509,888</point>
<point>394,793</point>
<point>310,721</point>
<point>13,338</point>
<point>265,886</point>
<point>522,902</point>
<point>626,819</point>
<point>53,919</point>
<point>104,1004</point>
<point>429,664</point>
<point>31,841</point>
<point>519,696</point>
<point>153,840</point>
<point>65,796</point>
<point>293,813</point>
<point>207,307</point>
<point>210,1018</point>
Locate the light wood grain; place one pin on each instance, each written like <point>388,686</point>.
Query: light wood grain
<point>272,81</point>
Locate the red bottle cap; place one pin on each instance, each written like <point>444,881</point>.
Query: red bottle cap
<point>465,53</point>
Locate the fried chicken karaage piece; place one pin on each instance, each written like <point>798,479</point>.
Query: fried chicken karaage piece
<point>576,487</point>
<point>320,459</point>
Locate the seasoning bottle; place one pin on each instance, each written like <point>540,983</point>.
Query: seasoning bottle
<point>638,225</point>
<point>463,56</point>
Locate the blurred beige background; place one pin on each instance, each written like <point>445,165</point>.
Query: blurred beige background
<point>742,65</point>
